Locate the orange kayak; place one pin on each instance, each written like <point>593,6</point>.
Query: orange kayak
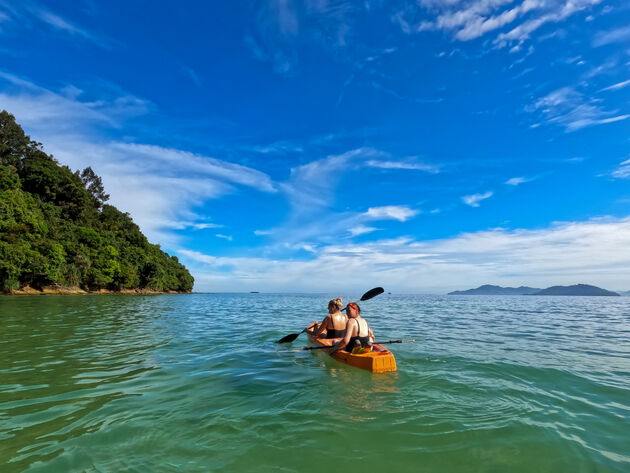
<point>379,360</point>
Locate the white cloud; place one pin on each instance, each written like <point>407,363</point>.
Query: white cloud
<point>617,35</point>
<point>361,230</point>
<point>555,14</point>
<point>23,13</point>
<point>184,224</point>
<point>311,186</point>
<point>499,256</point>
<point>516,181</point>
<point>474,199</point>
<point>477,18</point>
<point>262,232</point>
<point>64,112</point>
<point>401,213</point>
<point>617,86</point>
<point>405,164</point>
<point>570,109</point>
<point>279,147</point>
<point>466,20</point>
<point>204,226</point>
<point>224,237</point>
<point>623,171</point>
<point>151,155</point>
<point>160,187</point>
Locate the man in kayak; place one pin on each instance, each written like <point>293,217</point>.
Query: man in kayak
<point>358,335</point>
<point>335,322</point>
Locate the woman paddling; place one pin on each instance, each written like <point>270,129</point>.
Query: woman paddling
<point>358,332</point>
<point>335,322</point>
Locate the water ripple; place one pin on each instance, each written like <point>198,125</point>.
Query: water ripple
<point>195,383</point>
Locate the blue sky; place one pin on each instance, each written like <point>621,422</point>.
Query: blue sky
<point>326,145</point>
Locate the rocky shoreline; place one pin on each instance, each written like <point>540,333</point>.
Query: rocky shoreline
<point>67,291</point>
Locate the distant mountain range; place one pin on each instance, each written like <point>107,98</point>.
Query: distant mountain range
<point>575,290</point>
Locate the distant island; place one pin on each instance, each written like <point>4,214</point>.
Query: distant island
<point>58,236</point>
<point>490,290</point>
<point>575,290</point>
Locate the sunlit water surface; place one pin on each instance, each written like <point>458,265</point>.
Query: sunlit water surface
<point>195,383</point>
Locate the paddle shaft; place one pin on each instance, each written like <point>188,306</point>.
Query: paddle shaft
<point>375,343</point>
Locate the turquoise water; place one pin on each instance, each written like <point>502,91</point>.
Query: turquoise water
<point>195,383</point>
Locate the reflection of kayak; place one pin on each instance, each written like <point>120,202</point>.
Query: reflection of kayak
<point>379,360</point>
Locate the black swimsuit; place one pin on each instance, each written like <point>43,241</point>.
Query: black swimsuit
<point>334,333</point>
<point>363,341</point>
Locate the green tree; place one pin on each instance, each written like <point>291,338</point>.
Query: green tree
<point>55,227</point>
<point>94,185</point>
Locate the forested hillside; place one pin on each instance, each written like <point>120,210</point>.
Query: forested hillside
<point>57,230</point>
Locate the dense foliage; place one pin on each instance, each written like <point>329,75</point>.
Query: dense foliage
<point>55,228</point>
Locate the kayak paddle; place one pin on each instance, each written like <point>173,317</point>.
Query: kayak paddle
<point>367,296</point>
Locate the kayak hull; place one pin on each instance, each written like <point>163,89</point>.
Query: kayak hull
<point>379,360</point>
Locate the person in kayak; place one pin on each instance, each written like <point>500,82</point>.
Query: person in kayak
<point>358,332</point>
<point>335,322</point>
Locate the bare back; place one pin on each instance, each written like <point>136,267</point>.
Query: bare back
<point>359,328</point>
<point>336,321</point>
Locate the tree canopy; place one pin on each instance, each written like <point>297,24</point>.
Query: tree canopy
<point>56,228</point>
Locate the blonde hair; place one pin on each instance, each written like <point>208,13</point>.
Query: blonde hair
<point>336,302</point>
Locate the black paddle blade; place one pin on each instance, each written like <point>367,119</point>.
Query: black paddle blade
<point>372,293</point>
<point>289,338</point>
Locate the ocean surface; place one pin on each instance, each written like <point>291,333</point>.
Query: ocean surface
<point>194,383</point>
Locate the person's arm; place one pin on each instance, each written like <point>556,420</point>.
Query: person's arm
<point>370,333</point>
<point>344,341</point>
<point>322,326</point>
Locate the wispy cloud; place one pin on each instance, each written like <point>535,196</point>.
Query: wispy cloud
<point>39,106</point>
<point>469,20</point>
<point>361,230</point>
<point>517,181</point>
<point>194,77</point>
<point>616,35</point>
<point>572,110</point>
<point>224,237</point>
<point>282,25</point>
<point>474,199</point>
<point>279,147</point>
<point>617,86</point>
<point>466,20</point>
<point>181,225</point>
<point>408,98</point>
<point>311,185</point>
<point>401,213</point>
<point>552,12</point>
<point>160,187</point>
<point>508,257</point>
<point>159,157</point>
<point>409,164</point>
<point>623,171</point>
<point>23,13</point>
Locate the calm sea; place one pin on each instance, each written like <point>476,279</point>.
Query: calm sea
<point>195,383</point>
